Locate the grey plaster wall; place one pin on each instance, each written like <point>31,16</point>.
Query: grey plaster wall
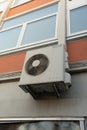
<point>14,102</point>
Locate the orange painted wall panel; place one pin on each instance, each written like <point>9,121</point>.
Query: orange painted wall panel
<point>12,63</point>
<point>77,50</point>
<point>28,6</point>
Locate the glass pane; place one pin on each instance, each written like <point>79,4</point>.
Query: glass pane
<point>3,4</point>
<point>78,19</point>
<point>85,123</point>
<point>18,2</point>
<point>8,38</point>
<point>40,30</point>
<point>42,125</point>
<point>31,16</point>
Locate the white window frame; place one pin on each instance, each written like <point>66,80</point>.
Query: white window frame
<point>19,46</point>
<point>14,120</point>
<point>72,4</point>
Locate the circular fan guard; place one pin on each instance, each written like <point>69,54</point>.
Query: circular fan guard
<point>38,68</point>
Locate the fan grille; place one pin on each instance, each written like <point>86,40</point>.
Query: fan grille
<point>37,64</point>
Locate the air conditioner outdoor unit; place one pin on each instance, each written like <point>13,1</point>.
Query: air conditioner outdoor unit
<point>43,73</point>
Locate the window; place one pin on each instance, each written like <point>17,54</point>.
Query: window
<point>18,2</point>
<point>40,30</point>
<point>43,125</point>
<point>31,28</point>
<point>8,38</point>
<point>85,123</point>
<point>31,16</point>
<point>77,18</point>
<point>3,4</point>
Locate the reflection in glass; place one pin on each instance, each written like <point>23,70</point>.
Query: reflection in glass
<point>40,30</point>
<point>3,4</point>
<point>18,2</point>
<point>9,38</point>
<point>42,125</point>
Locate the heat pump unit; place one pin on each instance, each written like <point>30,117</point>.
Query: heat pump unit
<point>43,74</point>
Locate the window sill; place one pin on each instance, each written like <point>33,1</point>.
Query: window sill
<point>28,47</point>
<point>77,36</point>
<point>80,66</point>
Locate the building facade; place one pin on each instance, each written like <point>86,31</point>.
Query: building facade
<point>29,25</point>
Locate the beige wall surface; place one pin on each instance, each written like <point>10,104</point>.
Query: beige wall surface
<point>14,102</point>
